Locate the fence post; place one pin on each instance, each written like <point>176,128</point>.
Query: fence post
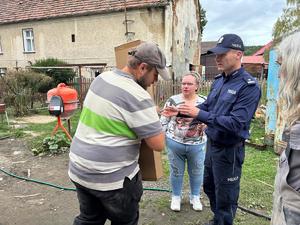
<point>80,87</point>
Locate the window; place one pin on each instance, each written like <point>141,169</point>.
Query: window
<point>2,71</point>
<point>1,52</point>
<point>28,40</point>
<point>73,37</point>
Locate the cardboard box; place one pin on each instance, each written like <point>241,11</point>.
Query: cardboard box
<point>150,161</point>
<point>121,52</point>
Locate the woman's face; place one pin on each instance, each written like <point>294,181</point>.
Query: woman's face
<point>189,85</point>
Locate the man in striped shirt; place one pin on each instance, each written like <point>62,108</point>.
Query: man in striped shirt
<point>117,114</point>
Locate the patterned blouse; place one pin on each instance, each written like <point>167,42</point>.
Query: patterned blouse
<point>183,129</point>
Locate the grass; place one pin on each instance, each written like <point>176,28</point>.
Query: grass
<point>42,130</point>
<point>257,131</point>
<point>257,181</point>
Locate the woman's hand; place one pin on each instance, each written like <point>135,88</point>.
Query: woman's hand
<point>169,111</point>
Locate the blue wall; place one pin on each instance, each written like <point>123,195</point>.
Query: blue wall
<point>272,93</point>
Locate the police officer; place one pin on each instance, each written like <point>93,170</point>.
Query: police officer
<point>227,112</point>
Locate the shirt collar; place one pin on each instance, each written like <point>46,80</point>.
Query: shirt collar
<point>123,74</point>
<point>233,74</point>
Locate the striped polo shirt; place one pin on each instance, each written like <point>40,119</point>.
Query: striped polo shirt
<point>117,113</point>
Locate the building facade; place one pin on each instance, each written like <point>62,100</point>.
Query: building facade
<point>85,32</point>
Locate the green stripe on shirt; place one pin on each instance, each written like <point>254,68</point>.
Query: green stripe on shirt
<point>103,124</point>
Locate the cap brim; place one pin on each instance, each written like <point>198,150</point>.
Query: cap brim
<point>163,73</point>
<point>218,50</point>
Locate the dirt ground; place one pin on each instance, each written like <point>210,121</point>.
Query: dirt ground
<point>29,203</point>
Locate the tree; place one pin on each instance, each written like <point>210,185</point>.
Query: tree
<point>289,21</point>
<point>203,20</point>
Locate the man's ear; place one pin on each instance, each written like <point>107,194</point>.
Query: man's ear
<point>240,54</point>
<point>143,66</point>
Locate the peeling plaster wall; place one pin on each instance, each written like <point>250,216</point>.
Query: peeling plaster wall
<point>186,35</point>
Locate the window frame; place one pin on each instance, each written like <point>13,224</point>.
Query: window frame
<point>25,38</point>
<point>3,71</point>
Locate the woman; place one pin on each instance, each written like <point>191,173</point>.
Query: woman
<point>185,141</point>
<point>286,207</point>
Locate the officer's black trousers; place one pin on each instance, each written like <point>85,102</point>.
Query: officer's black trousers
<point>222,173</point>
<point>120,206</point>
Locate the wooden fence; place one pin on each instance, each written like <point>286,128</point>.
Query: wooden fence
<point>162,90</point>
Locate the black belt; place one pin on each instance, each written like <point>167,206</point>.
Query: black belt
<point>220,145</point>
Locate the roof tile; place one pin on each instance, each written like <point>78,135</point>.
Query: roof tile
<point>14,11</point>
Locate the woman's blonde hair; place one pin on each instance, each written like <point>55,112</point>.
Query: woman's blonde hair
<point>289,94</point>
<point>196,75</point>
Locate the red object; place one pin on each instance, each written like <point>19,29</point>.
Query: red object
<point>2,108</point>
<point>69,97</point>
<point>59,124</point>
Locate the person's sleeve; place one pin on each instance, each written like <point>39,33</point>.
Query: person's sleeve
<point>242,112</point>
<point>203,106</point>
<point>144,120</point>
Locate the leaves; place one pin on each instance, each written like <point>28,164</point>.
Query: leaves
<point>203,20</point>
<point>20,88</point>
<point>56,144</point>
<point>289,21</point>
<point>59,75</point>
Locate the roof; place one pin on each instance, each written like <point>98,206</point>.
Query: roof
<point>262,50</point>
<point>253,59</point>
<point>205,45</point>
<point>14,11</point>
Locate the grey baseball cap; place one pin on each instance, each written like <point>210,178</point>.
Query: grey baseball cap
<point>149,52</point>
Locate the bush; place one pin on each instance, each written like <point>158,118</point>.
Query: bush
<point>58,75</point>
<point>20,88</point>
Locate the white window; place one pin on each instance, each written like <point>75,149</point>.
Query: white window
<point>2,71</point>
<point>0,46</point>
<point>28,40</point>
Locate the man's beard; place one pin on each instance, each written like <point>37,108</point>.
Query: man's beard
<point>142,82</point>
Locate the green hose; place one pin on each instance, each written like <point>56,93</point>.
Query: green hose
<point>65,188</point>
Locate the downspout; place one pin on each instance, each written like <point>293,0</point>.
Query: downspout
<point>173,41</point>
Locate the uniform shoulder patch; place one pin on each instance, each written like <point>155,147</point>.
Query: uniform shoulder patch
<point>250,81</point>
<point>218,76</point>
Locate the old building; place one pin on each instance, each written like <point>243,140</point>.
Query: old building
<point>208,63</point>
<point>85,32</point>
<point>256,63</point>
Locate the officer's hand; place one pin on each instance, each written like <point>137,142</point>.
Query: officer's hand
<point>188,110</point>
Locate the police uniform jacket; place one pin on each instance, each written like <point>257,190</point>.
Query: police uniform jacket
<point>229,107</point>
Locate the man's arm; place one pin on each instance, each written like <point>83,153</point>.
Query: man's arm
<point>157,142</point>
<point>242,112</point>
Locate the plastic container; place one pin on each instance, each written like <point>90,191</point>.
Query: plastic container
<point>69,97</point>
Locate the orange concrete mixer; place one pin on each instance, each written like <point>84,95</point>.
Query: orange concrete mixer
<point>63,101</point>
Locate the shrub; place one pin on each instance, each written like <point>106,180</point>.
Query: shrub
<point>56,144</point>
<point>58,75</point>
<point>20,88</point>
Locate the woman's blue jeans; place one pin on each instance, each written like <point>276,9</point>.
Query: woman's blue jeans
<point>194,155</point>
